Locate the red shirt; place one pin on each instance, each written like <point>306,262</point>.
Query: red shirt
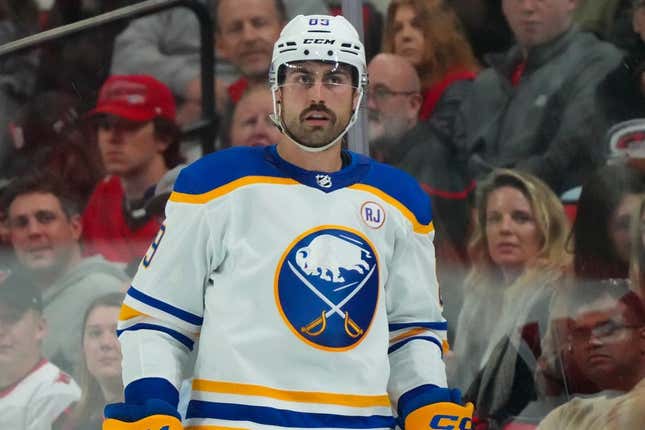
<point>105,230</point>
<point>236,89</point>
<point>517,74</point>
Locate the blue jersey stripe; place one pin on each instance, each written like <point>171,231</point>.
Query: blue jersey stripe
<point>284,418</point>
<point>409,339</point>
<point>169,309</point>
<point>430,325</point>
<point>185,340</point>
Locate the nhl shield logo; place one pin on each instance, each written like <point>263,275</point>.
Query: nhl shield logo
<point>323,181</point>
<point>327,287</point>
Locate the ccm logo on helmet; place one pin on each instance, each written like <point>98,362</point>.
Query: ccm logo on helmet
<point>319,41</point>
<point>450,422</point>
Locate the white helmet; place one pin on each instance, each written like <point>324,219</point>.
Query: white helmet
<point>318,38</point>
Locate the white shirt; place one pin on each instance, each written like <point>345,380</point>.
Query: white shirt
<point>38,400</point>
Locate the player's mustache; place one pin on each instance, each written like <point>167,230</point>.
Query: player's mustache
<point>320,108</point>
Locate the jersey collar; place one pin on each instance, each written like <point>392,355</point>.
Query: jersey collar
<point>323,181</point>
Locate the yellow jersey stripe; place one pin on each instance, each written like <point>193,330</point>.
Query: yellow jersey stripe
<point>407,334</point>
<point>352,400</point>
<point>227,188</point>
<point>128,313</point>
<point>416,225</point>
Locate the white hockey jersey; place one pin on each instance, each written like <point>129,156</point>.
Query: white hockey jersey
<point>38,400</point>
<point>312,297</point>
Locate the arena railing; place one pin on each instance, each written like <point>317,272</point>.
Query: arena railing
<point>206,127</point>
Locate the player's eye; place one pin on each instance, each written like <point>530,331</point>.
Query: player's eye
<point>336,79</point>
<point>304,79</point>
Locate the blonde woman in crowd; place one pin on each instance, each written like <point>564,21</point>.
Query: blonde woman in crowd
<point>428,33</point>
<point>518,257</point>
<point>100,367</point>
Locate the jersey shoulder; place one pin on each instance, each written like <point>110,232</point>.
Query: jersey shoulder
<point>223,167</point>
<point>401,187</point>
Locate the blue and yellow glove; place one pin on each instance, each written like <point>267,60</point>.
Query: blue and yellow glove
<point>153,415</point>
<point>150,404</point>
<point>435,408</point>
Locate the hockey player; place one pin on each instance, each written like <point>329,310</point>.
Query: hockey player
<point>302,273</point>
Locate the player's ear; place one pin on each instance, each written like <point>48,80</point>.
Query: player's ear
<point>278,95</point>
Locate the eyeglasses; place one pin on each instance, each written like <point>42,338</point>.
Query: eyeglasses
<point>604,331</point>
<point>381,94</point>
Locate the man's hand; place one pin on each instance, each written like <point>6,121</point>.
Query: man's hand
<point>154,415</point>
<point>441,416</point>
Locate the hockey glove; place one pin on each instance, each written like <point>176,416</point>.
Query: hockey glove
<point>153,415</point>
<point>431,407</point>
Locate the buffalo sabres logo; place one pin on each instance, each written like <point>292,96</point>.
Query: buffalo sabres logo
<point>327,286</point>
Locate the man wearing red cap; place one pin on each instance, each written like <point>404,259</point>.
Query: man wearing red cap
<point>138,139</point>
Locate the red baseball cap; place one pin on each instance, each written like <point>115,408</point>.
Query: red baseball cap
<point>135,98</point>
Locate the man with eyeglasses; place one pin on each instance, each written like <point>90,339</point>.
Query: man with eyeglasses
<point>607,343</point>
<point>423,150</point>
<point>303,273</point>
<point>138,140</point>
<point>393,101</point>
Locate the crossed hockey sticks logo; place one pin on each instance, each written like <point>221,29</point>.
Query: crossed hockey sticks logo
<point>318,326</point>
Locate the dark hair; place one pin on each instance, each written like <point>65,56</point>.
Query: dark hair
<point>594,255</point>
<point>169,132</point>
<point>40,182</point>
<point>279,7</point>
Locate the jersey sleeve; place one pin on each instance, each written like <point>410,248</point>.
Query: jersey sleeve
<point>162,313</point>
<point>417,327</point>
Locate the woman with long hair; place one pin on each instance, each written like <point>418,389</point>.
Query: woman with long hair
<point>428,33</point>
<point>600,234</point>
<point>518,257</point>
<point>100,368</point>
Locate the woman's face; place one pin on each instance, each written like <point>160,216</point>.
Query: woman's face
<point>409,41</point>
<point>618,227</point>
<point>100,345</point>
<point>513,237</point>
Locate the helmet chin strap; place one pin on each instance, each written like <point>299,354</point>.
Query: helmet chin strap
<point>277,121</point>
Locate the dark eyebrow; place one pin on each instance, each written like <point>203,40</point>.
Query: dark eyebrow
<point>337,72</point>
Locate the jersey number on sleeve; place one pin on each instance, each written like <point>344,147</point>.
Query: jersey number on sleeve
<point>147,259</point>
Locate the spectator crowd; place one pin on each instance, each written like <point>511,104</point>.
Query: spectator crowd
<point>523,120</point>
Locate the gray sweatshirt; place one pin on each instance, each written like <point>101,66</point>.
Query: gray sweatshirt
<point>66,301</point>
